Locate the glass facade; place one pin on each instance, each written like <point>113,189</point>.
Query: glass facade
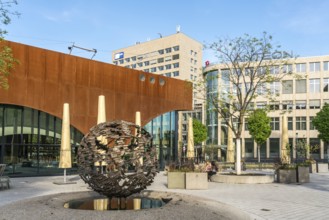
<point>30,141</point>
<point>212,115</point>
<point>164,131</point>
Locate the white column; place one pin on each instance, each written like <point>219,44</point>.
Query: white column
<point>101,116</point>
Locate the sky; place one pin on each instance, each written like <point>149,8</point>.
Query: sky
<point>299,26</point>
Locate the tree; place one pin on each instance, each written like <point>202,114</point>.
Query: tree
<point>199,132</point>
<point>7,61</point>
<point>259,128</point>
<point>321,123</point>
<point>248,64</point>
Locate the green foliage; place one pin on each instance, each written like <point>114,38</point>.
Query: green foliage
<point>199,132</point>
<point>321,123</point>
<point>259,126</point>
<point>7,61</point>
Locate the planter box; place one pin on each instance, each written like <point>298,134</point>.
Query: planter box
<point>176,180</point>
<point>196,181</point>
<point>287,176</point>
<point>303,174</point>
<point>312,168</point>
<point>322,167</point>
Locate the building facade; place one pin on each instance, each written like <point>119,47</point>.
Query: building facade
<point>175,56</point>
<point>31,109</point>
<point>298,98</point>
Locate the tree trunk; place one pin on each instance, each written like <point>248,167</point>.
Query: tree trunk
<point>258,152</point>
<point>238,156</point>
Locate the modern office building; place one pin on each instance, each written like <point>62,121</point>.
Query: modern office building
<point>300,98</point>
<point>175,56</point>
<point>31,109</point>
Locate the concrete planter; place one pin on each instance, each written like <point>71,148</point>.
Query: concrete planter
<point>303,174</point>
<point>176,180</point>
<point>189,180</point>
<point>312,168</point>
<point>287,176</point>
<point>196,180</point>
<point>322,167</point>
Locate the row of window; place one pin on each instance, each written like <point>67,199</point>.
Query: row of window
<point>173,74</point>
<point>289,87</point>
<point>290,104</point>
<point>149,62</point>
<point>300,123</point>
<point>287,68</point>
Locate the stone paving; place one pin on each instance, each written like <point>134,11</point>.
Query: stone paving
<point>260,201</point>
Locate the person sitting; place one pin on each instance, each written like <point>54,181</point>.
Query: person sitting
<point>211,169</point>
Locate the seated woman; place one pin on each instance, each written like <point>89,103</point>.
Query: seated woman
<point>211,169</point>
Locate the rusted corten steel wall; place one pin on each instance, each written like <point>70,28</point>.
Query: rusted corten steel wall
<point>45,80</point>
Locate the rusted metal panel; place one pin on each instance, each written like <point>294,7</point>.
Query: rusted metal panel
<point>45,80</point>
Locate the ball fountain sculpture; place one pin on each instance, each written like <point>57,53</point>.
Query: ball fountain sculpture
<point>117,159</point>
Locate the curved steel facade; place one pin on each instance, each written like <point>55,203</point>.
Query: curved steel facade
<point>45,80</point>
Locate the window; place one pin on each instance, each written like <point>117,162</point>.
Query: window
<point>133,65</point>
<point>301,104</point>
<point>176,73</point>
<point>191,77</point>
<point>274,147</point>
<point>127,66</point>
<point>168,66</point>
<point>175,57</point>
<point>146,70</point>
<point>176,65</point>
<point>315,86</point>
<point>290,123</point>
<point>127,60</point>
<point>261,105</point>
<point>275,123</point>
<point>261,89</point>
<point>325,84</point>
<point>287,68</point>
<point>140,64</point>
<point>160,60</point>
<point>326,66</point>
<point>275,87</point>
<point>121,61</point>
<point>191,60</point>
<point>274,70</point>
<point>195,62</point>
<point>152,62</point>
<point>274,106</point>
<point>311,124</point>
<point>314,104</point>
<point>300,123</point>
<point>168,50</point>
<point>249,71</point>
<point>246,125</point>
<point>261,70</point>
<point>301,67</point>
<point>168,74</point>
<point>133,58</point>
<point>160,68</point>
<point>287,87</point>
<point>168,58</point>
<point>153,69</point>
<point>192,52</point>
<point>195,53</point>
<point>314,66</point>
<point>301,86</point>
<point>176,48</point>
<point>115,62</point>
<point>161,51</point>
<point>146,63</point>
<point>249,147</point>
<point>287,105</point>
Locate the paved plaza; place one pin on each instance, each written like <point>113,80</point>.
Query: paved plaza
<point>259,201</point>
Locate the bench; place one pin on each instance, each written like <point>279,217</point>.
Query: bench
<point>4,180</point>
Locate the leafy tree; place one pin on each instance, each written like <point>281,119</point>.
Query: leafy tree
<point>199,132</point>
<point>259,128</point>
<point>321,123</point>
<point>7,61</point>
<point>249,66</point>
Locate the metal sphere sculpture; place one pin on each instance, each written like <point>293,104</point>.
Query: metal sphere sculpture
<point>117,159</point>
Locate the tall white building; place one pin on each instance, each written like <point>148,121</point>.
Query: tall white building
<point>301,98</point>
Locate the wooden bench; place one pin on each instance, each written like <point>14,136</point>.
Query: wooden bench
<point>4,180</point>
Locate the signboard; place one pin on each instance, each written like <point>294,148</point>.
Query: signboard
<point>119,55</point>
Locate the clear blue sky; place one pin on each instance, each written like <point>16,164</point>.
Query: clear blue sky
<point>301,26</point>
